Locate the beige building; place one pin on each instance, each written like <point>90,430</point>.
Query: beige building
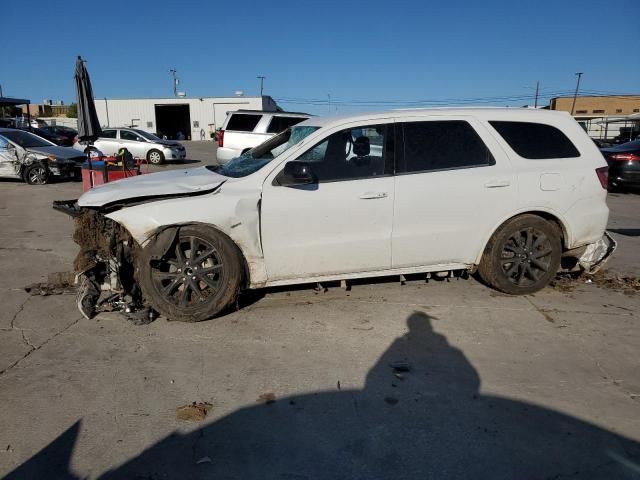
<point>598,106</point>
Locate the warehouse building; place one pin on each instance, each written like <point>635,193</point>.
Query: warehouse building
<point>195,118</point>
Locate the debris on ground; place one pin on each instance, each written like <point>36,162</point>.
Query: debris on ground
<point>195,412</point>
<point>400,366</point>
<point>142,316</point>
<point>267,398</point>
<point>602,278</point>
<point>60,283</point>
<point>204,460</point>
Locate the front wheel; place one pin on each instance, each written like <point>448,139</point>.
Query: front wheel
<point>155,157</point>
<point>523,256</point>
<point>36,174</point>
<point>198,278</point>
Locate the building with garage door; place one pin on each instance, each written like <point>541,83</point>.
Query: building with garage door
<point>195,118</point>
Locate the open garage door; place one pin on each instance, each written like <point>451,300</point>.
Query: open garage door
<point>172,120</point>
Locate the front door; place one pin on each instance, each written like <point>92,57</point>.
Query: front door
<point>342,223</point>
<point>453,185</point>
<point>8,159</point>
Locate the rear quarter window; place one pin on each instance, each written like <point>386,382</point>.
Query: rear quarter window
<point>243,122</point>
<point>536,141</point>
<point>280,124</point>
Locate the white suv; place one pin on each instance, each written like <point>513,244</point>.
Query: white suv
<point>506,192</point>
<point>244,129</point>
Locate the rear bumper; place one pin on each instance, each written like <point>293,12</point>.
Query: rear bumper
<point>624,173</point>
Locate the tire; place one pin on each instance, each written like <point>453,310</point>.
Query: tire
<point>534,247</point>
<point>155,157</point>
<point>215,278</point>
<point>37,174</point>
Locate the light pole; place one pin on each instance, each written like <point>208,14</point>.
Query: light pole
<point>173,72</point>
<point>575,95</point>
<point>261,78</point>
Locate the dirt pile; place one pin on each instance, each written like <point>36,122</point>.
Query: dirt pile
<point>604,279</point>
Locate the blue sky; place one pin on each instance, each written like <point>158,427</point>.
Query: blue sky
<point>382,52</point>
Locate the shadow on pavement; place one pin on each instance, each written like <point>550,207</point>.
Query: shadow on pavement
<point>430,422</point>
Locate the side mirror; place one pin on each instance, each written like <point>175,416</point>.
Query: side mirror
<point>297,173</point>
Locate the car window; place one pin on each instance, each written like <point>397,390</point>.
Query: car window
<point>351,154</point>
<point>279,124</point>
<point>3,142</point>
<point>243,122</point>
<point>26,139</point>
<point>441,145</point>
<point>127,135</point>
<point>108,134</point>
<point>536,140</point>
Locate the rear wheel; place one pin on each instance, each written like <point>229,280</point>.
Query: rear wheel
<point>523,256</point>
<point>156,157</point>
<point>36,174</point>
<point>197,278</point>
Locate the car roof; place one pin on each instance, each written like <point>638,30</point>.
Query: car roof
<point>266,112</point>
<point>488,113</point>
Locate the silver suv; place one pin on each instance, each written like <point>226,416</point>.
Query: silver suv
<point>244,129</point>
<point>141,144</point>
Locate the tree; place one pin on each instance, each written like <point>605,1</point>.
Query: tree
<point>72,112</point>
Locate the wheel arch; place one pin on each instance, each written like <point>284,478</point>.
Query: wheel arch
<point>551,217</point>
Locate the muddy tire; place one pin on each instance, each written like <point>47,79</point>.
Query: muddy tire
<point>198,278</point>
<point>523,255</point>
<point>36,174</point>
<point>155,157</point>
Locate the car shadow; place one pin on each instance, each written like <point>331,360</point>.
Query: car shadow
<point>627,232</point>
<point>427,418</point>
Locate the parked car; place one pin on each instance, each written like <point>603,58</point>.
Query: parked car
<point>624,165</point>
<point>244,129</point>
<point>141,144</point>
<point>52,137</point>
<point>34,159</point>
<point>68,133</point>
<point>506,192</point>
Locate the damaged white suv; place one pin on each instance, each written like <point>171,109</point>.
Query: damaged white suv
<point>506,192</point>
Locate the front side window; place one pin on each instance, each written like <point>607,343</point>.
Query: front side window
<point>108,134</point>
<point>127,135</point>
<point>536,141</point>
<point>441,145</point>
<point>243,122</point>
<point>280,124</point>
<point>149,136</point>
<point>350,154</point>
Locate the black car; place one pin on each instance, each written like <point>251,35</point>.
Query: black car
<point>56,138</point>
<point>60,130</point>
<point>624,165</point>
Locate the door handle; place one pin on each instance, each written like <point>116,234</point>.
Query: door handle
<point>373,195</point>
<point>497,184</point>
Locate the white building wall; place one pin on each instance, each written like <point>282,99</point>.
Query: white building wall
<point>208,112</point>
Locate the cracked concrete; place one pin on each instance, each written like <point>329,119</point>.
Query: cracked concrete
<point>570,356</point>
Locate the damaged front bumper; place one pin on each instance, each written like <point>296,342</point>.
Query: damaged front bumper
<point>596,254</point>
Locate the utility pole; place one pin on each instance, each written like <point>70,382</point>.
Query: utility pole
<point>261,78</point>
<point>575,95</point>
<point>329,101</point>
<point>173,72</point>
<point>535,104</point>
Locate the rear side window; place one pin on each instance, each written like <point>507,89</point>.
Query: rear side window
<point>536,141</point>
<point>442,145</point>
<point>108,134</point>
<point>280,124</point>
<point>243,122</point>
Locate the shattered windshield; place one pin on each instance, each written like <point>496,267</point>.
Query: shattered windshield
<point>26,139</point>
<point>259,156</point>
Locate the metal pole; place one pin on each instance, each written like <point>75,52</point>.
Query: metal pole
<point>535,105</point>
<point>261,78</point>
<point>106,107</point>
<point>173,72</point>
<point>575,95</point>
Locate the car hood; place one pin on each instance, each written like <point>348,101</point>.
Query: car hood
<point>65,153</point>
<point>168,143</point>
<point>191,181</point>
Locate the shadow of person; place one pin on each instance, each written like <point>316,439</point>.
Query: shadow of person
<point>429,422</point>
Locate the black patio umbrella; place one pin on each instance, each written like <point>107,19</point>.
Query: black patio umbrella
<point>88,124</point>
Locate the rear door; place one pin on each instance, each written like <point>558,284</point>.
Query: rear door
<point>453,184</point>
<point>107,143</point>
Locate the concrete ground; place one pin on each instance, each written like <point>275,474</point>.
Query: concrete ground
<point>543,386</point>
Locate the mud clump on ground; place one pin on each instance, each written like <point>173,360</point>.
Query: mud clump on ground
<point>61,283</point>
<point>194,412</point>
<point>604,279</point>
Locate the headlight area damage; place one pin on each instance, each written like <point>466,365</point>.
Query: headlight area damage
<point>106,263</point>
